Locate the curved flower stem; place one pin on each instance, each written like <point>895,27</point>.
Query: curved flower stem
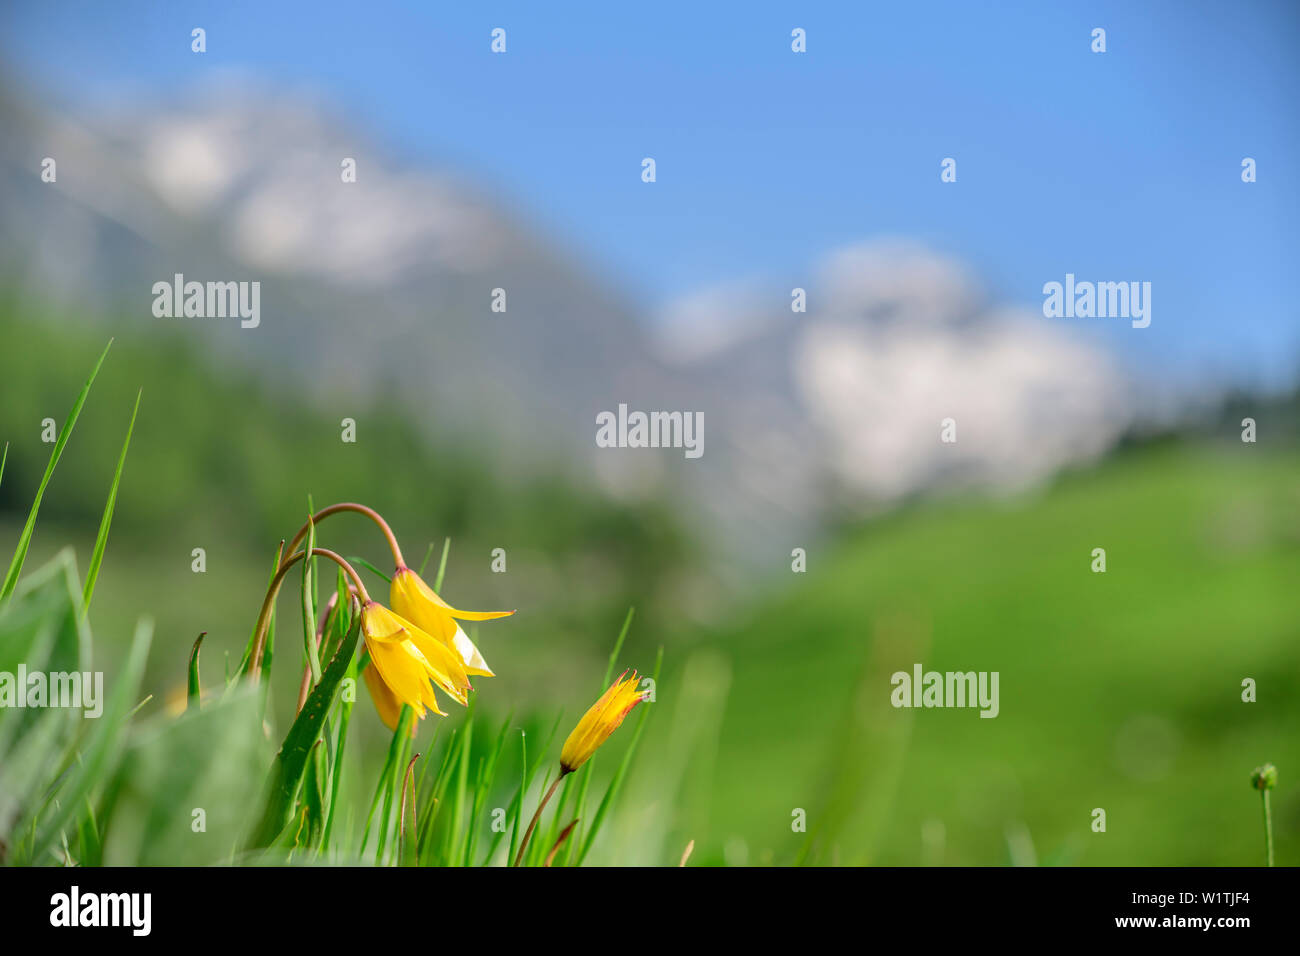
<point>537,816</point>
<point>264,617</point>
<point>370,513</point>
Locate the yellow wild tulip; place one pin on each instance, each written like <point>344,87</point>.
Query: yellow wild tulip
<point>595,727</point>
<point>407,662</point>
<point>600,721</point>
<point>419,604</point>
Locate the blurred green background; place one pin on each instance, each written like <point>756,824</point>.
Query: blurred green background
<point>1119,691</point>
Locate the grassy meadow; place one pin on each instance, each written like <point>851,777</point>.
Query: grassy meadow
<point>1119,690</point>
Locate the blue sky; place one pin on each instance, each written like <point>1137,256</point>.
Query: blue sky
<point>1123,165</point>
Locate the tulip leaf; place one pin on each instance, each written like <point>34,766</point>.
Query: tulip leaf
<point>291,762</point>
<point>312,799</point>
<point>186,784</point>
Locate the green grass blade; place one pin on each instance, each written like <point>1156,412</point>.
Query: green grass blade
<point>336,773</point>
<point>90,850</point>
<point>357,559</point>
<point>246,661</point>
<point>442,564</point>
<point>425,563</point>
<point>542,842</point>
<point>194,690</point>
<point>525,781</point>
<point>402,740</point>
<point>408,850</point>
<point>618,648</point>
<point>481,791</point>
<point>101,539</point>
<point>519,798</point>
<point>428,849</point>
<point>394,751</point>
<point>462,786</point>
<point>25,539</point>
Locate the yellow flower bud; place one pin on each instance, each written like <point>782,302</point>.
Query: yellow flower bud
<point>600,721</point>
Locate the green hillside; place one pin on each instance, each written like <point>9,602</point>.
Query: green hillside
<point>1119,691</point>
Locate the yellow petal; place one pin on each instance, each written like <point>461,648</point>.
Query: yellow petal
<point>443,664</point>
<point>405,675</point>
<point>415,601</point>
<point>378,623</point>
<point>386,703</point>
<point>469,654</point>
<point>418,590</point>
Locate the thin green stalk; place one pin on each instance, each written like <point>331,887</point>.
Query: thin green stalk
<point>101,539</point>
<point>1264,778</point>
<point>618,648</point>
<point>336,771</point>
<point>425,563</point>
<point>358,560</point>
<point>407,846</point>
<point>308,610</point>
<point>442,564</point>
<point>519,798</point>
<point>1268,828</point>
<point>486,779</point>
<point>386,819</point>
<point>436,791</point>
<point>394,747</point>
<point>462,786</point>
<point>527,778</point>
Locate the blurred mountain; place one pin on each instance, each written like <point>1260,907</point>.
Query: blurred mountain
<point>387,284</point>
